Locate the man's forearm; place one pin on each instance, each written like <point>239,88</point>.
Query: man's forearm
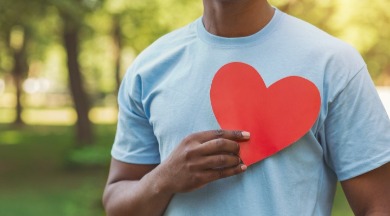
<point>142,197</point>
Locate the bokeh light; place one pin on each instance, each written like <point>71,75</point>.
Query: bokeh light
<point>2,86</point>
<point>36,85</point>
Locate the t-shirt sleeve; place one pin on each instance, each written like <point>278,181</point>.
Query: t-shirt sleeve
<point>135,141</point>
<point>357,129</point>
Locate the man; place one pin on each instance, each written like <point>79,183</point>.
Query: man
<point>169,159</point>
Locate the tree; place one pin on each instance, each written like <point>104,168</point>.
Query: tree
<point>15,32</point>
<point>20,66</point>
<point>72,13</point>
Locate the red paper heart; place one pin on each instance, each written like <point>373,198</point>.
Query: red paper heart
<point>276,116</point>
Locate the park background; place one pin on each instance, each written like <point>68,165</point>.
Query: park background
<point>61,63</point>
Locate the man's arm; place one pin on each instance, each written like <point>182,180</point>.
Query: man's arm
<point>125,192</point>
<point>369,194</point>
<point>199,159</point>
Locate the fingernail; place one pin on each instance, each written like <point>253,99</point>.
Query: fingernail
<point>245,134</point>
<point>243,167</point>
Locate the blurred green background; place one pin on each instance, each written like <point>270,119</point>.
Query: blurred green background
<point>60,66</point>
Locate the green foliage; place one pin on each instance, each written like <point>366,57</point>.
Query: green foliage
<point>16,27</point>
<point>143,21</point>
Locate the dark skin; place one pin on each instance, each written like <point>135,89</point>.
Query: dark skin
<point>198,160</point>
<point>134,189</point>
<point>236,18</point>
<point>369,194</point>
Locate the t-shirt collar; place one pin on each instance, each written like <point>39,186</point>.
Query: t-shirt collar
<point>209,38</point>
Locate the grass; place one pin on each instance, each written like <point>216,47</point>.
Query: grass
<point>43,174</point>
<point>64,193</point>
<point>37,177</point>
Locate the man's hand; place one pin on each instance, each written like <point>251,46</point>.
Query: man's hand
<point>202,158</point>
<point>199,159</point>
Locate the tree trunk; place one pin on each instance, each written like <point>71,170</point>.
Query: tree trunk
<point>81,103</point>
<point>116,35</point>
<point>18,85</point>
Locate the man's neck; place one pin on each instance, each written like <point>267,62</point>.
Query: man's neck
<point>236,18</point>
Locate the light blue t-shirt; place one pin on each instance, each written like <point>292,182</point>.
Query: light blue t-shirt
<point>165,96</point>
